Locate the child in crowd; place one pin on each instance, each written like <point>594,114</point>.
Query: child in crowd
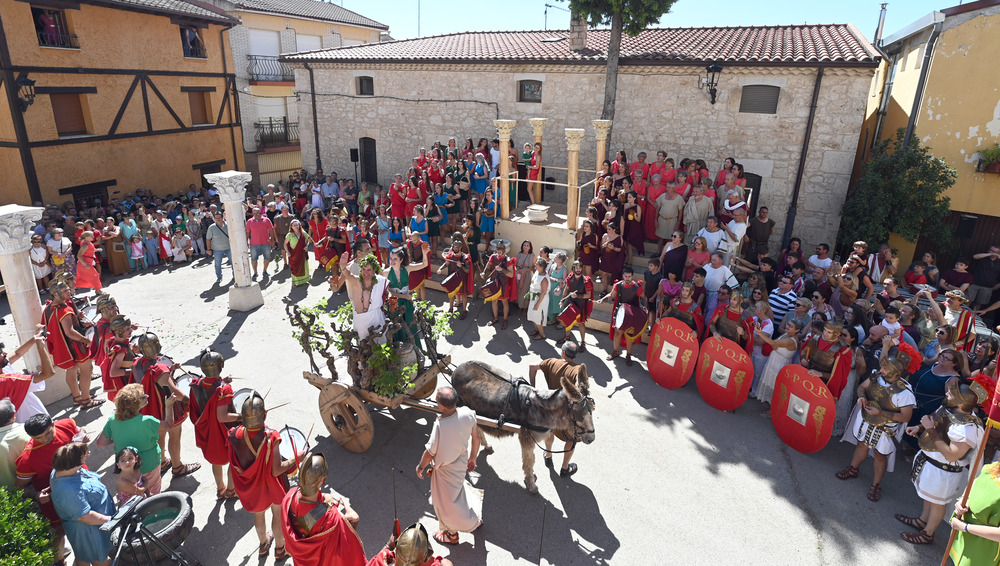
<point>915,276</point>
<point>891,322</point>
<point>40,266</point>
<point>700,292</point>
<point>152,246</point>
<point>670,287</point>
<point>130,480</point>
<point>651,286</point>
<point>165,250</point>
<point>138,252</point>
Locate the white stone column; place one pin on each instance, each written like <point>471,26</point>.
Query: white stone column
<point>246,295</point>
<point>537,129</point>
<point>602,127</point>
<point>573,138</point>
<point>16,223</point>
<point>504,128</point>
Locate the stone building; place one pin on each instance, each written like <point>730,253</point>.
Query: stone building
<point>266,87</point>
<point>779,86</point>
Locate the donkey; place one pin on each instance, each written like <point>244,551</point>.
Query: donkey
<point>492,393</point>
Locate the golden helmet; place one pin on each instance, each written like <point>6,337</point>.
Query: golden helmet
<point>211,363</point>
<point>107,306</point>
<point>119,324</point>
<point>312,473</point>
<point>58,285</point>
<point>413,547</point>
<point>253,411</point>
<point>149,345</point>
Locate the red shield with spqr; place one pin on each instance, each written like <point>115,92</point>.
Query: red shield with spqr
<point>724,373</point>
<point>802,409</point>
<point>672,353</point>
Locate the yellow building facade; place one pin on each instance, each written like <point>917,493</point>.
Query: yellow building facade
<point>91,116</point>
<point>269,105</point>
<point>942,62</point>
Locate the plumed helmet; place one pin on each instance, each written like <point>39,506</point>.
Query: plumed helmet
<point>966,397</point>
<point>253,411</point>
<point>211,363</point>
<point>149,345</point>
<point>413,547</point>
<point>107,306</point>
<point>58,285</point>
<point>119,324</point>
<point>835,328</point>
<point>894,362</point>
<point>312,473</point>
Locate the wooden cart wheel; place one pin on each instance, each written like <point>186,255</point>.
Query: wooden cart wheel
<point>346,417</point>
<point>426,391</point>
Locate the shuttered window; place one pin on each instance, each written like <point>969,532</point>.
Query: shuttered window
<point>68,112</point>
<point>366,86</point>
<point>199,110</point>
<point>760,99</point>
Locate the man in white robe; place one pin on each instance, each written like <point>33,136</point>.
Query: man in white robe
<point>367,293</point>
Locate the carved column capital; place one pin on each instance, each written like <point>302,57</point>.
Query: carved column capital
<point>602,127</point>
<point>16,224</point>
<point>538,126</point>
<point>504,128</point>
<point>573,138</point>
<point>230,184</point>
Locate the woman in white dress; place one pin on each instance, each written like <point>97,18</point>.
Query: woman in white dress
<point>538,299</point>
<point>763,316</point>
<point>784,348</point>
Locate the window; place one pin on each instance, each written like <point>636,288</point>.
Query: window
<point>529,91</point>
<point>52,28</point>
<point>308,42</point>
<point>199,108</point>
<point>68,112</point>
<point>366,86</point>
<point>760,99</point>
<point>192,43</point>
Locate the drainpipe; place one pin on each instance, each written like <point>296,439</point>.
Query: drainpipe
<point>928,51</point>
<point>793,207</point>
<point>225,72</point>
<point>881,24</point>
<point>312,95</point>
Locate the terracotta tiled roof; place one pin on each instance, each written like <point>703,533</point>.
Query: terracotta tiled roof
<point>310,9</point>
<point>183,8</point>
<point>834,44</point>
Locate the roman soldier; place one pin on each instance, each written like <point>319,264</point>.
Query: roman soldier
<point>319,528</point>
<point>66,343</point>
<point>107,308</point>
<point>685,309</point>
<point>211,407</point>
<point>259,473</point>
<point>500,267</point>
<point>578,296</point>
<point>627,295</point>
<point>116,371</point>
<point>458,261</point>
<point>166,402</point>
<point>734,322</point>
<point>828,358</point>
<point>885,404</point>
<point>411,548</point>
<point>948,440</point>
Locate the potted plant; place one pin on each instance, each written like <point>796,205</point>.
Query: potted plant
<point>989,159</point>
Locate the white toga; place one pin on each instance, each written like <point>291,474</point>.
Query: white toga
<point>374,315</point>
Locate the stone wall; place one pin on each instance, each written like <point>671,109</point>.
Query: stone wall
<point>657,108</point>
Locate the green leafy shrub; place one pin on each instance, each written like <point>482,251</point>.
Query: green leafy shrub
<point>26,540</point>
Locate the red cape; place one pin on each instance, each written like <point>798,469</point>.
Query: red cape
<point>15,386</point>
<point>256,486</point>
<point>157,405</point>
<point>112,385</point>
<point>97,346</point>
<point>211,435</point>
<point>331,542</point>
<point>65,352</point>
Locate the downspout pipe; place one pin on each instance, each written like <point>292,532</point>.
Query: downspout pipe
<point>312,96</point>
<point>924,69</point>
<point>797,188</point>
<point>17,117</point>
<point>225,72</point>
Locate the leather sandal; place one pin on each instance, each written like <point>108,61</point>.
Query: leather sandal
<point>847,473</point>
<point>875,492</point>
<point>264,547</point>
<point>915,522</point>
<point>446,537</point>
<point>280,553</point>
<point>919,537</point>
<point>613,355</point>
<point>184,469</point>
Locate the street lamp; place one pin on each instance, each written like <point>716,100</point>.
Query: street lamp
<point>712,80</point>
<point>25,91</point>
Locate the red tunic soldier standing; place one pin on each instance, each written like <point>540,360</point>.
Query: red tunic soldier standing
<point>211,407</point>
<point>828,358</point>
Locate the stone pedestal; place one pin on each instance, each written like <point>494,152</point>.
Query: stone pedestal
<point>573,138</point>
<point>537,129</point>
<point>16,223</point>
<point>246,295</point>
<point>504,128</point>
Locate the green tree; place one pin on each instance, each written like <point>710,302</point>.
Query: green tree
<point>26,540</point>
<point>900,191</point>
<point>628,16</point>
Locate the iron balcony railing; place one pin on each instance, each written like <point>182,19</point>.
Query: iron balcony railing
<point>276,131</point>
<point>50,39</point>
<point>268,68</point>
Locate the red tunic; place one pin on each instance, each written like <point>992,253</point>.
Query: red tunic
<point>649,212</point>
<point>330,542</point>
<point>584,287</point>
<point>397,195</point>
<point>35,463</point>
<point>627,294</point>
<point>747,324</point>
<point>112,385</point>
<point>694,310</point>
<point>147,372</point>
<point>211,435</point>
<point>87,276</point>
<point>65,352</point>
<point>255,485</point>
<point>656,168</point>
<point>15,386</point>
<point>500,266</point>
<point>99,344</point>
<point>413,195</point>
<point>457,259</point>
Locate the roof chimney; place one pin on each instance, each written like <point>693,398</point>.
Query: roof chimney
<point>577,32</point>
<point>881,23</point>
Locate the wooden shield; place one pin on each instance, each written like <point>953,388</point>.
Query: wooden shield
<point>672,353</point>
<point>724,374</point>
<point>802,409</point>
